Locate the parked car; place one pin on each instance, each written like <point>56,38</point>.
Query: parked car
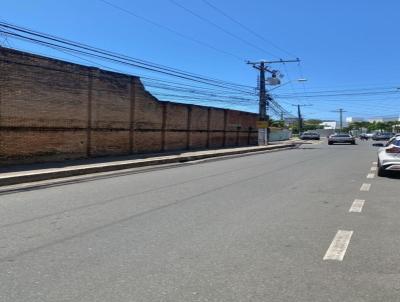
<point>382,136</point>
<point>364,136</point>
<point>310,135</point>
<point>389,156</point>
<point>341,139</point>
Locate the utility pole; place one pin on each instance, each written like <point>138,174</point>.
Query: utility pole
<point>340,111</point>
<point>299,116</point>
<point>264,97</point>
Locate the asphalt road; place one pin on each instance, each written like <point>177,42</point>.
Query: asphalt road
<point>250,228</point>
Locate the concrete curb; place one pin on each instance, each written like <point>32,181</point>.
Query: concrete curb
<point>40,175</point>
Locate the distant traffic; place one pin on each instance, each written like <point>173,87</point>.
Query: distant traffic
<point>389,147</point>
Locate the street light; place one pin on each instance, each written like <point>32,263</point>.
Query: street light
<point>301,80</point>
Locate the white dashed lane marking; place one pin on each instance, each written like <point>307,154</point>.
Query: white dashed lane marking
<point>374,163</point>
<point>357,205</point>
<point>373,168</point>
<point>365,187</point>
<point>370,175</point>
<point>338,247</point>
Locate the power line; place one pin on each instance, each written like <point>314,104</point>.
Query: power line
<point>102,51</point>
<point>288,96</point>
<point>247,28</point>
<point>225,91</point>
<point>159,25</point>
<point>116,59</point>
<point>229,33</point>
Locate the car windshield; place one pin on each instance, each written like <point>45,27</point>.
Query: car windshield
<point>341,135</point>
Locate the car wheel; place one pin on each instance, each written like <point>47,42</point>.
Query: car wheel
<point>329,143</point>
<point>382,172</point>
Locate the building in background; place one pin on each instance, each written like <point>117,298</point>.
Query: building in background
<point>376,119</point>
<point>291,121</point>
<point>329,125</point>
<point>384,119</point>
<point>351,119</point>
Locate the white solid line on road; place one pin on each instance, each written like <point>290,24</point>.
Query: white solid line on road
<point>374,168</point>
<point>338,247</point>
<point>357,205</point>
<point>365,187</point>
<point>370,175</point>
<point>374,163</point>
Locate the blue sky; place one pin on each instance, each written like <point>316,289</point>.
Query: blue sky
<point>342,44</point>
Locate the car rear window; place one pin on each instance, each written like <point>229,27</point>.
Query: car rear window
<point>341,135</point>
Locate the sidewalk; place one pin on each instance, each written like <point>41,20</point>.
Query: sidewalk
<point>44,171</point>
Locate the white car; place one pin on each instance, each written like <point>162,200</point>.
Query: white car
<point>389,156</point>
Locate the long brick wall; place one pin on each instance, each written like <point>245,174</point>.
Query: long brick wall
<point>56,110</point>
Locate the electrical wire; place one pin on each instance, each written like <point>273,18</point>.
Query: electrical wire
<point>229,33</point>
<point>248,29</point>
<point>159,25</point>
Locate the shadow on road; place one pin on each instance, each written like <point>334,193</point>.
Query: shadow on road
<point>392,175</point>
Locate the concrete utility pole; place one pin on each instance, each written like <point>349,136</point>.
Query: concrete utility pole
<point>264,97</point>
<point>299,117</point>
<point>340,111</point>
<point>262,105</point>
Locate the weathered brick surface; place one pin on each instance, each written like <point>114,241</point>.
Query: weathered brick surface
<point>106,142</point>
<point>175,140</point>
<point>37,92</point>
<point>51,109</point>
<point>216,139</point>
<point>148,111</point>
<point>148,141</point>
<point>110,100</point>
<point>231,139</point>
<point>199,118</point>
<point>176,115</point>
<point>217,119</point>
<point>198,140</point>
<point>28,146</point>
<point>176,119</point>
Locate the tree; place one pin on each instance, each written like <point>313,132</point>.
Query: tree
<point>372,126</point>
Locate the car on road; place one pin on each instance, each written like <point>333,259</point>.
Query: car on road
<point>310,135</point>
<point>382,136</point>
<point>389,157</point>
<point>341,138</point>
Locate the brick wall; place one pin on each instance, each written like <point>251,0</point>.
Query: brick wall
<point>55,110</point>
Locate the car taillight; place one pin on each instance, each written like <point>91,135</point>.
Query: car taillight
<point>393,149</point>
